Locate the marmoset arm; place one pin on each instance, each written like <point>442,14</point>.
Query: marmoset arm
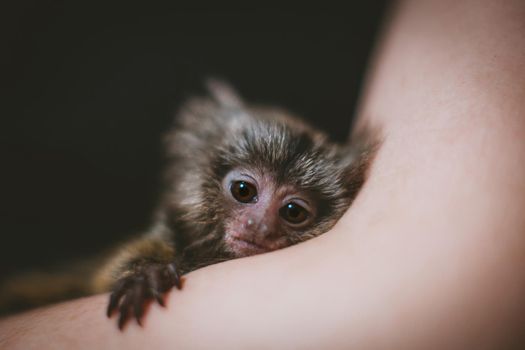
<point>430,256</point>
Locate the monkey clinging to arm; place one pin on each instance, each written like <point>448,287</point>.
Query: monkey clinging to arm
<point>240,180</point>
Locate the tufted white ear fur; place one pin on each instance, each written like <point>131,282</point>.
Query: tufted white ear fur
<point>224,93</point>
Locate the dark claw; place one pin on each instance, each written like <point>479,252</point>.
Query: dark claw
<point>154,288</point>
<point>116,295</point>
<point>158,297</point>
<point>176,277</point>
<point>138,300</point>
<point>124,311</point>
<point>112,305</point>
<point>145,282</point>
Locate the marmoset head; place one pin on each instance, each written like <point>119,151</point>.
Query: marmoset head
<point>281,183</point>
<point>256,179</point>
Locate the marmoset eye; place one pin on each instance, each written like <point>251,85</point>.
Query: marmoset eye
<point>243,192</point>
<point>294,213</point>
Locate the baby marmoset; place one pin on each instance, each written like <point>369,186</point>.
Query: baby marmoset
<point>240,180</point>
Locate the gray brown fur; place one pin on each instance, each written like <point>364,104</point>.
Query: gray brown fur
<point>210,136</point>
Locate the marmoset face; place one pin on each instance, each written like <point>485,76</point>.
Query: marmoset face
<point>264,215</point>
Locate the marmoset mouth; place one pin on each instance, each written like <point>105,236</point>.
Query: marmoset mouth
<point>245,247</point>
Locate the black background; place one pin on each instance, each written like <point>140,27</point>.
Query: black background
<point>89,90</point>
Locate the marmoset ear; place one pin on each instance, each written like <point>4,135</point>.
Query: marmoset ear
<point>203,121</point>
<point>223,93</point>
<point>357,155</point>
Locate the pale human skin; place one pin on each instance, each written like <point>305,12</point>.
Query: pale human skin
<point>430,256</point>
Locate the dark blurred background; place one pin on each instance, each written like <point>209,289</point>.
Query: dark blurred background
<point>89,90</point>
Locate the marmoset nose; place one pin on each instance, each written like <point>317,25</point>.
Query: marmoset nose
<point>259,226</point>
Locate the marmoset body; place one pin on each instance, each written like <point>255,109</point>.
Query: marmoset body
<point>240,180</point>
